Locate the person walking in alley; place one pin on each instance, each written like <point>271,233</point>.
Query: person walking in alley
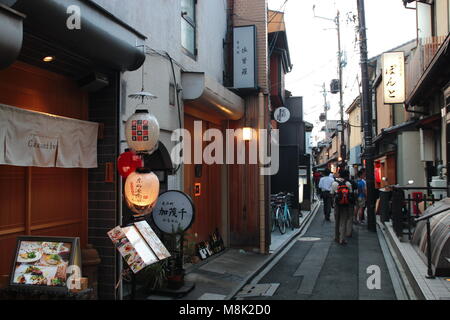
<point>316,177</point>
<point>341,191</point>
<point>361,193</point>
<point>325,187</point>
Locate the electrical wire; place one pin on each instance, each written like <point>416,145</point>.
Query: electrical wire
<point>178,102</point>
<point>264,21</point>
<point>282,8</point>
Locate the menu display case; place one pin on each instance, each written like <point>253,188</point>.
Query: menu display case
<point>139,245</point>
<point>46,263</point>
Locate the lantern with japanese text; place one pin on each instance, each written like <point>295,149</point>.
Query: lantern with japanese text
<point>142,132</point>
<point>128,162</point>
<point>141,191</point>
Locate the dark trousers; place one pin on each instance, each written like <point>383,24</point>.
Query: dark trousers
<point>326,196</point>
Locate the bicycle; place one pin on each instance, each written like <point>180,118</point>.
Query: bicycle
<point>273,210</point>
<point>281,215</point>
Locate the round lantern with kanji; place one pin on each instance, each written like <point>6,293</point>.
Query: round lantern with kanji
<point>141,191</point>
<point>128,162</point>
<point>142,132</point>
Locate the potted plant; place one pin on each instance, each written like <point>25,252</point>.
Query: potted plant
<point>154,277</point>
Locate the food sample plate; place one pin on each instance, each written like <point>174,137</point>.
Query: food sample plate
<point>28,256</point>
<point>28,274</point>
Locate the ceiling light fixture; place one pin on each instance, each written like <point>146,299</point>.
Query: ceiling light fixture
<point>48,59</point>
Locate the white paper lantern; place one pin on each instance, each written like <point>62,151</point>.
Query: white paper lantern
<point>141,191</point>
<point>142,132</point>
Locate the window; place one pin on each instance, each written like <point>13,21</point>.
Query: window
<point>188,26</point>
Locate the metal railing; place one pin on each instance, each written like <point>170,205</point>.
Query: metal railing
<point>411,204</point>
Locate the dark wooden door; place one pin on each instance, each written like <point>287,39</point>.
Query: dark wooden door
<point>208,202</point>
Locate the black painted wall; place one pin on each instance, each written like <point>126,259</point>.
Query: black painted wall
<point>103,196</point>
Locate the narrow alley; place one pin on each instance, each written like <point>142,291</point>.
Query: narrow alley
<point>318,268</point>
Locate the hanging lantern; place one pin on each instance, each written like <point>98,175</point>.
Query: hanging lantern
<point>141,191</point>
<point>128,162</point>
<point>142,132</point>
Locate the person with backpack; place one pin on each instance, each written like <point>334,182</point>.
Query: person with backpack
<point>342,193</point>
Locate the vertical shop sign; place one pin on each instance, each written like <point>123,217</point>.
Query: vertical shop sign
<point>394,77</point>
<point>244,55</point>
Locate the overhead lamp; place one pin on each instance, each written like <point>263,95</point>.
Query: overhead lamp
<point>247,133</point>
<point>48,59</point>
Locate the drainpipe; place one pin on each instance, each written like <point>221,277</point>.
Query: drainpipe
<point>261,189</point>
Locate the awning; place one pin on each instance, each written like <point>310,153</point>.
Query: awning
<point>36,139</point>
<point>435,76</point>
<point>394,129</point>
<point>11,35</point>
<point>430,122</point>
<point>210,96</point>
<point>102,38</point>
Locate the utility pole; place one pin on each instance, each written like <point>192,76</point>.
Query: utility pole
<point>367,118</point>
<point>336,20</point>
<point>325,108</point>
<point>341,93</point>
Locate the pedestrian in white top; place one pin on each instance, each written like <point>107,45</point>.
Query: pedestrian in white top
<point>325,187</point>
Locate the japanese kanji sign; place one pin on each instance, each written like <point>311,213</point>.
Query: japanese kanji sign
<point>281,114</point>
<point>174,212</point>
<point>244,54</point>
<point>394,77</point>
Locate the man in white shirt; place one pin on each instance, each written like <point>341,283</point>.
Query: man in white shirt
<point>343,214</point>
<point>325,187</point>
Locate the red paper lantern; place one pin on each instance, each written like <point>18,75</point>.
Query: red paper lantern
<point>377,173</point>
<point>128,162</point>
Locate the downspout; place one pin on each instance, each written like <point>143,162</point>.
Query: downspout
<point>261,189</point>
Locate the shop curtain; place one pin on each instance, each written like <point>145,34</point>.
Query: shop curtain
<point>29,138</point>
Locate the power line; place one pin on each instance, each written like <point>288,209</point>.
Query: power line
<point>281,8</point>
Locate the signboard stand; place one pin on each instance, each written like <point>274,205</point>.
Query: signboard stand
<point>173,214</point>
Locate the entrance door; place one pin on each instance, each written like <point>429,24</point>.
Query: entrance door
<point>203,183</point>
<point>41,201</point>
